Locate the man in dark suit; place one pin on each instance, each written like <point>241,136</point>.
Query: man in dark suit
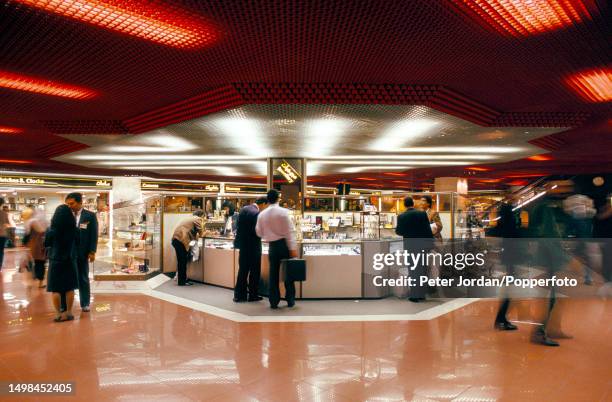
<point>86,244</point>
<point>249,259</point>
<point>413,226</point>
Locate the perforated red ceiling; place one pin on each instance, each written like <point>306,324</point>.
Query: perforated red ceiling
<point>420,51</point>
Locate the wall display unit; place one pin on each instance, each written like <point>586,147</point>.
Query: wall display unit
<point>136,242</point>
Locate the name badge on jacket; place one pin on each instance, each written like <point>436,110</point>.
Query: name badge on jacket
<point>83,225</point>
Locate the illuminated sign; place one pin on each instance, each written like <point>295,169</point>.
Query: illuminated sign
<point>354,193</point>
<point>150,185</point>
<point>231,188</point>
<point>288,172</point>
<point>211,187</point>
<point>21,180</point>
<point>103,183</point>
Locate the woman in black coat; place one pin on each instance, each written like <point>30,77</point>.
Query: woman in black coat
<point>63,278</point>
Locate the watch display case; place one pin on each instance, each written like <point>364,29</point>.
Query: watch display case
<point>135,247</point>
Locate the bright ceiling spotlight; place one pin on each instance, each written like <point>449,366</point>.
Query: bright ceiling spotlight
<point>322,136</point>
<point>10,130</point>
<point>28,83</point>
<point>160,143</point>
<point>15,161</point>
<point>155,158</point>
<point>180,163</point>
<point>594,85</point>
<point>372,168</point>
<point>401,133</point>
<point>157,23</point>
<point>540,158</point>
<point>244,134</point>
<point>396,163</point>
<point>412,157</point>
<point>522,18</point>
<point>464,149</point>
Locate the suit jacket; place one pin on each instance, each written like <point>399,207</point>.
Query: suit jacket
<point>188,230</point>
<point>61,237</point>
<point>246,237</point>
<point>413,224</point>
<point>434,217</point>
<point>4,223</point>
<point>87,236</point>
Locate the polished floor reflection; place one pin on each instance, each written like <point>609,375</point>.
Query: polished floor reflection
<point>138,348</point>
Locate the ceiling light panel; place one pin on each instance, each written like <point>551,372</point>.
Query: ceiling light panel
<point>245,135</point>
<point>20,82</point>
<point>157,23</point>
<point>10,130</point>
<point>358,169</point>
<point>323,135</point>
<point>520,18</point>
<point>402,133</point>
<point>594,85</point>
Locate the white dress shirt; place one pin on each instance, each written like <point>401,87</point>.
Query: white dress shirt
<point>274,223</point>
<point>77,216</point>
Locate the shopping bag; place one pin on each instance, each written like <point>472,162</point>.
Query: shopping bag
<point>293,270</point>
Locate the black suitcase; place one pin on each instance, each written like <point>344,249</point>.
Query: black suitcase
<point>293,270</point>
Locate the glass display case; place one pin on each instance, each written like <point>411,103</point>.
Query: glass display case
<point>135,246</point>
<point>331,249</point>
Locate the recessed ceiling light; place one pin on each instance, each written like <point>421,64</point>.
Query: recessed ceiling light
<point>27,83</point>
<point>161,24</point>
<point>15,161</point>
<point>322,136</point>
<point>527,17</point>
<point>594,85</point>
<point>412,157</point>
<point>540,158</point>
<point>162,143</point>
<point>244,134</point>
<point>10,130</point>
<point>386,162</point>
<point>372,168</point>
<point>181,163</point>
<point>463,149</point>
<point>401,133</point>
<point>104,157</point>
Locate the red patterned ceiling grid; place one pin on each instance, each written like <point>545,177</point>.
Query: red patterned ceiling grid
<point>223,54</point>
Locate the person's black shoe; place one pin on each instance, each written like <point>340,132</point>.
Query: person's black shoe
<point>542,339</point>
<point>239,300</point>
<point>290,303</point>
<point>505,326</point>
<point>187,284</point>
<point>255,298</point>
<point>416,299</point>
<point>274,306</point>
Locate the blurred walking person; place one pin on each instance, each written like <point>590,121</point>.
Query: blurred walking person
<point>4,225</point>
<point>62,279</point>
<point>35,228</point>
<point>508,231</point>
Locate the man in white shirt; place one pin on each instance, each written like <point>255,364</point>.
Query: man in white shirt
<point>274,226</point>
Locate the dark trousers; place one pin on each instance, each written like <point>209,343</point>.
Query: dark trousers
<point>83,275</point>
<point>181,261</point>
<point>279,251</point>
<point>39,269</point>
<point>2,244</point>
<point>249,271</point>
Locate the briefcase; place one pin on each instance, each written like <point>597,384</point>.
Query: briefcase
<point>293,270</point>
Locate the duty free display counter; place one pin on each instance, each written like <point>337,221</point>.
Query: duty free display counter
<point>335,270</point>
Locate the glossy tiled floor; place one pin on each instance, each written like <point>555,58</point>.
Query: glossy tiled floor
<point>137,348</point>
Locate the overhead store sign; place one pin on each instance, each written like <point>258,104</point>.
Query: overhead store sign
<point>45,181</point>
<point>245,189</point>
<point>180,186</point>
<point>288,172</point>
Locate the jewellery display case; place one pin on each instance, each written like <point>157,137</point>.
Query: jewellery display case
<point>135,247</point>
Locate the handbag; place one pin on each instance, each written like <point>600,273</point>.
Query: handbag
<point>293,270</point>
